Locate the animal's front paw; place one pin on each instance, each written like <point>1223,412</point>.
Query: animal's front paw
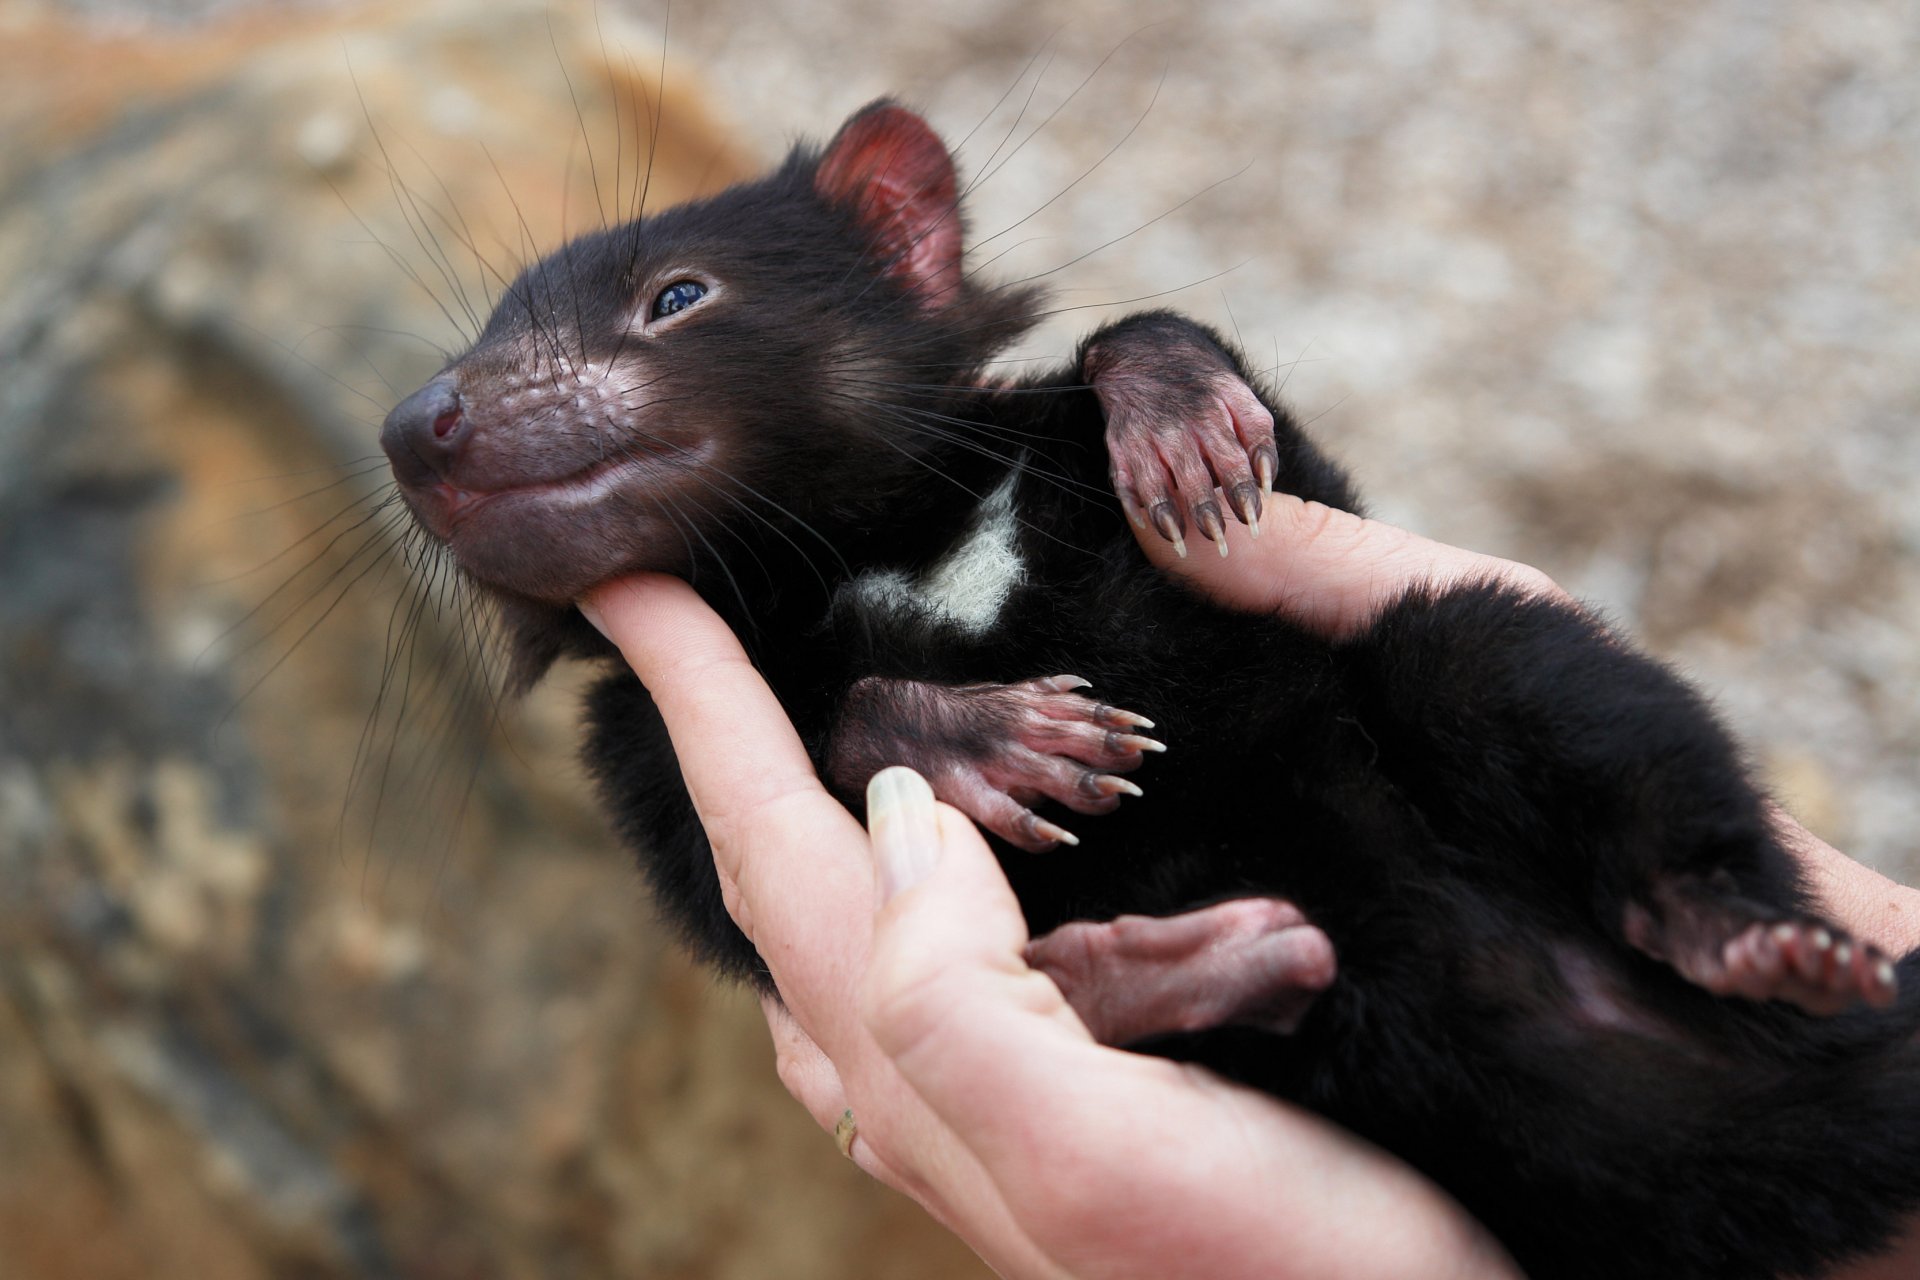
<point>994,750</point>
<point>1180,424</point>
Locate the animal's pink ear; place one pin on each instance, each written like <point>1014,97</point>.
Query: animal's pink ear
<point>893,171</point>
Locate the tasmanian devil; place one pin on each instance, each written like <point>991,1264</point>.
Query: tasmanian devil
<point>1540,862</point>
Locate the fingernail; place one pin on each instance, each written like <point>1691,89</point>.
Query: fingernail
<point>592,615</point>
<point>903,827</point>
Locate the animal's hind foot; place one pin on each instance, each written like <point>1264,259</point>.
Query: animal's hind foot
<point>1249,962</point>
<point>1807,964</point>
<point>1733,947</point>
<point>993,750</point>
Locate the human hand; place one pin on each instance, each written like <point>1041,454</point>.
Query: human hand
<point>978,1091</point>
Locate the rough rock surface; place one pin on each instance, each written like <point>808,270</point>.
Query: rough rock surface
<point>1627,290</point>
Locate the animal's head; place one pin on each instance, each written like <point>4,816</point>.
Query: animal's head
<point>760,368</point>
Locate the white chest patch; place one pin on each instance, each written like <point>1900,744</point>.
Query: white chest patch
<point>968,586</point>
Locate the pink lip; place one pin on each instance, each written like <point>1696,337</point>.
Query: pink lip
<point>444,507</point>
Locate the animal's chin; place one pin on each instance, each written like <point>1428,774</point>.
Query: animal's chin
<point>524,543</point>
<point>553,540</point>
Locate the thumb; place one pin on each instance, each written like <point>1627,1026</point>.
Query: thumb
<point>1328,570</point>
<point>948,949</point>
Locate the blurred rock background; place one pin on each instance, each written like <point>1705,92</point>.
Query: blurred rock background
<point>295,982</point>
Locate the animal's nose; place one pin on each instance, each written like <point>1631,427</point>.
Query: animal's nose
<point>424,432</point>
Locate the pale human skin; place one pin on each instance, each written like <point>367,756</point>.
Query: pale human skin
<point>977,1090</point>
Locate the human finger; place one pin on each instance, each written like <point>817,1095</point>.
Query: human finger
<point>1875,908</point>
<point>735,746</point>
<point>1333,571</point>
<point>806,880</point>
<point>813,1080</point>
<point>791,859</point>
<point>803,1067</point>
<point>1198,1174</point>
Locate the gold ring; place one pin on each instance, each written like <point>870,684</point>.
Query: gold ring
<point>844,1130</point>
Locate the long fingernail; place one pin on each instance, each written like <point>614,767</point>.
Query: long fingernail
<point>904,828</point>
<point>592,615</point>
<point>1265,464</point>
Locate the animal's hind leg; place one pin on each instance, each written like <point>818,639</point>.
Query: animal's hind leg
<point>1732,946</point>
<point>1559,760</point>
<point>1249,962</point>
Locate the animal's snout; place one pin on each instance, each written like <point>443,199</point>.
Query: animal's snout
<point>423,434</point>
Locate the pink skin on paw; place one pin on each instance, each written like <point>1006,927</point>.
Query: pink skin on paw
<point>993,751</point>
<point>1251,962</point>
<point>1060,746</point>
<point>1170,450</point>
<point>1807,965</point>
<point>1802,962</point>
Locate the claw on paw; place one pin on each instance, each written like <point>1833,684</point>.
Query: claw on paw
<point>1169,526</point>
<point>1720,942</point>
<point>995,750</point>
<point>1181,424</point>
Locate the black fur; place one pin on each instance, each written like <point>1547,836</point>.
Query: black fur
<point>1467,797</point>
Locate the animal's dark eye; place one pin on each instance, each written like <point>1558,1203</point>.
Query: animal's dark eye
<point>678,296</point>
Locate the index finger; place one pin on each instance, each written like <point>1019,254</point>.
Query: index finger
<point>801,882</point>
<point>736,748</point>
<point>1330,570</point>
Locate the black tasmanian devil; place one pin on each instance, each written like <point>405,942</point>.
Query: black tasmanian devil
<point>1540,863</point>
